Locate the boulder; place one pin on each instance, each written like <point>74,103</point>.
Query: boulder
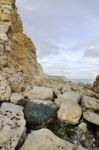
<point>68,96</point>
<point>70,112</point>
<point>42,93</point>
<point>44,139</point>
<point>12,126</point>
<point>39,112</point>
<point>5,90</point>
<point>90,103</point>
<point>91,116</point>
<point>15,98</point>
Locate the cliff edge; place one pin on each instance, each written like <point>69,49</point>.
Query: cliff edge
<point>17,52</point>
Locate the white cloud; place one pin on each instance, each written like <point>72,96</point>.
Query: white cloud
<point>93,51</point>
<point>60,31</point>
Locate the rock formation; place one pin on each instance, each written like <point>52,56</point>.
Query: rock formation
<point>96,85</point>
<point>66,114</point>
<point>17,52</point>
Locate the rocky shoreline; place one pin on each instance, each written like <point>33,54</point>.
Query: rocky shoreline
<point>37,111</point>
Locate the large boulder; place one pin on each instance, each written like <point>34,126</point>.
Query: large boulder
<point>68,96</point>
<point>12,126</point>
<point>91,116</point>
<point>42,93</point>
<point>5,90</point>
<point>90,103</point>
<point>44,139</point>
<point>70,112</point>
<point>39,112</point>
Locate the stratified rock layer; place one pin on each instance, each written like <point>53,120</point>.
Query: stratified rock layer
<point>17,52</point>
<point>5,90</point>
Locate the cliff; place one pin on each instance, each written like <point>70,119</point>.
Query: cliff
<point>17,52</point>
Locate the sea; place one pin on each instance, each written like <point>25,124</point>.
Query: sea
<point>86,81</point>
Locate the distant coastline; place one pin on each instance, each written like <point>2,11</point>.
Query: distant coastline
<point>82,80</point>
<point>89,81</point>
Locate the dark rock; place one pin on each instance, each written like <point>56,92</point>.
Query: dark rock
<point>39,113</point>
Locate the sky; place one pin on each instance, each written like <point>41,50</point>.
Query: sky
<point>66,35</point>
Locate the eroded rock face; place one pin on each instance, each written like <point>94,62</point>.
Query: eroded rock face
<point>12,126</point>
<point>5,90</point>
<point>16,82</point>
<point>17,52</point>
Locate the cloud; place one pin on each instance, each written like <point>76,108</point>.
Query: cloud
<point>61,30</point>
<point>92,51</point>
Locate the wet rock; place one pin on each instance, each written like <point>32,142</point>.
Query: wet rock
<point>69,112</point>
<point>42,93</point>
<point>39,112</point>
<point>12,126</point>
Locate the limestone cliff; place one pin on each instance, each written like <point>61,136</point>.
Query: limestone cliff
<point>17,52</point>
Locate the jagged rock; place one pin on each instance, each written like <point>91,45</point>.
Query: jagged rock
<point>68,96</point>
<point>44,139</point>
<point>90,103</point>
<point>69,112</point>
<point>12,126</point>
<point>5,90</point>
<point>26,57</point>
<point>39,112</point>
<point>91,116</point>
<point>42,93</point>
<point>16,82</point>
<point>17,52</point>
<point>3,32</point>
<point>15,98</point>
<point>96,85</point>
